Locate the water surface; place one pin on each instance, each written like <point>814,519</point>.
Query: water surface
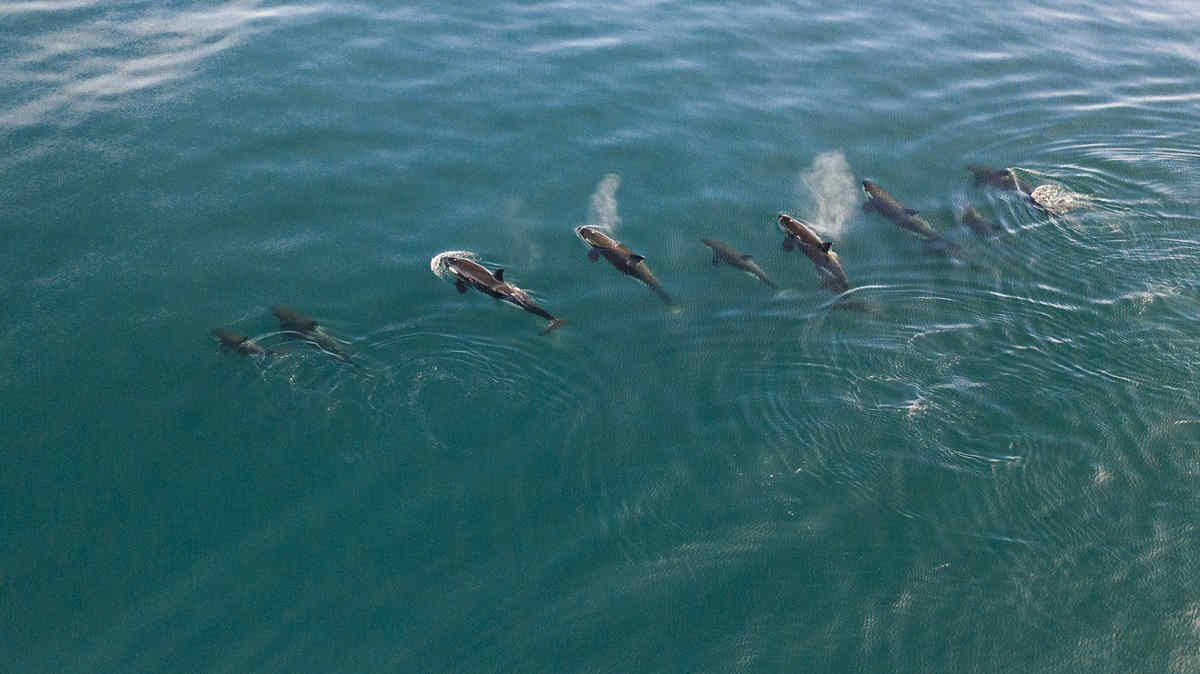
<point>979,465</point>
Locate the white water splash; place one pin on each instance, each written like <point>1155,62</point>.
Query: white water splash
<point>831,187</point>
<point>437,264</point>
<point>602,209</point>
<point>1058,200</point>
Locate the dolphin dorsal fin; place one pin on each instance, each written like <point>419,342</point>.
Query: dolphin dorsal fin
<point>911,211</point>
<point>635,258</point>
<point>499,274</point>
<point>826,245</point>
<point>747,258</point>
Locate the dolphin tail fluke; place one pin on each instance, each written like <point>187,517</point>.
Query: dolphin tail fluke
<point>554,325</point>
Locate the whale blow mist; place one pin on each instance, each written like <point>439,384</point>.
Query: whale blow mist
<point>602,208</point>
<point>832,192</point>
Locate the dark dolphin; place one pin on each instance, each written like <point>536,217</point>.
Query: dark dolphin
<point>879,201</point>
<point>308,328</point>
<point>471,274</point>
<point>239,342</point>
<point>625,260</point>
<point>972,218</point>
<point>829,267</point>
<point>1005,178</point>
<point>723,252</point>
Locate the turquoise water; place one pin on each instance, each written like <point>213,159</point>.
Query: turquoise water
<point>987,464</point>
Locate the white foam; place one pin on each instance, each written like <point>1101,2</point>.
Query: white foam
<point>1058,200</point>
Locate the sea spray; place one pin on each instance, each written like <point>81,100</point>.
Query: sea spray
<point>602,209</point>
<point>834,194</point>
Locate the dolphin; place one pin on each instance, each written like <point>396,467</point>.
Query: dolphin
<point>723,252</point>
<point>239,342</point>
<point>625,260</point>
<point>1004,178</point>
<point>308,328</point>
<point>797,233</point>
<point>471,274</point>
<point>879,201</point>
<point>972,218</point>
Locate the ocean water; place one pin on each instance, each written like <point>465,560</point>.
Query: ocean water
<point>975,465</point>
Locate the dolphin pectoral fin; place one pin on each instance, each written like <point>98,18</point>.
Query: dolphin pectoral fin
<point>593,255</point>
<point>499,274</point>
<point>826,245</point>
<point>461,285</point>
<point>789,243</point>
<point>911,211</point>
<point>868,207</point>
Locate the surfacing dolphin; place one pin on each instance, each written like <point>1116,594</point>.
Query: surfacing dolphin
<point>470,274</point>
<point>1005,179</point>
<point>307,328</point>
<point>625,260</point>
<point>879,201</point>
<point>723,252</point>
<point>829,267</point>
<point>236,341</point>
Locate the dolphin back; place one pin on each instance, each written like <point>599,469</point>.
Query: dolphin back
<point>290,318</point>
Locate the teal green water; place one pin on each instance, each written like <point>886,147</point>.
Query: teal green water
<point>981,465</point>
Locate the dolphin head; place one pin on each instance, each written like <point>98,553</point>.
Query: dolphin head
<point>594,237</point>
<point>586,233</point>
<point>788,224</point>
<point>870,189</point>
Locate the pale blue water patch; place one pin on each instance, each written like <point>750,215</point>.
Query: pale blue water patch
<point>966,465</point>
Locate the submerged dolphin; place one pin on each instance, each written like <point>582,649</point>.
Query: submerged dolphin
<point>972,218</point>
<point>625,260</point>
<point>239,342</point>
<point>723,252</point>
<point>879,201</point>
<point>308,328</point>
<point>796,233</point>
<point>470,274</point>
<point>1004,178</point>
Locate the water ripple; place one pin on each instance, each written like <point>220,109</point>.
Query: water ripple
<point>106,58</point>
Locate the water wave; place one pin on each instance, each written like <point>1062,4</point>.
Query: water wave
<point>103,59</point>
